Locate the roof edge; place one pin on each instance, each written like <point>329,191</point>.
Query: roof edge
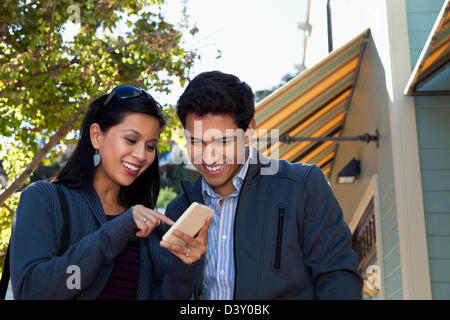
<point>408,91</point>
<point>361,37</point>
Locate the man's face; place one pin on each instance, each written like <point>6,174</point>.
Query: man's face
<point>216,147</point>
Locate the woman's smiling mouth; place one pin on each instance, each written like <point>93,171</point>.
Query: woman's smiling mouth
<point>130,168</point>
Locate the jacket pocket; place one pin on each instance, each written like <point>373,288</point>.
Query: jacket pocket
<point>279,238</point>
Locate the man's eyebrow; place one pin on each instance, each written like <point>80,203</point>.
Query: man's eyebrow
<point>226,137</point>
<point>138,133</point>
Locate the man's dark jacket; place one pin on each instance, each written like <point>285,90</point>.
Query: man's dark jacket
<point>290,240</point>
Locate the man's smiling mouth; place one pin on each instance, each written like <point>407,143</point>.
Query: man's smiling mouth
<point>214,169</point>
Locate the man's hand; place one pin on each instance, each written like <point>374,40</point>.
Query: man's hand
<point>194,249</point>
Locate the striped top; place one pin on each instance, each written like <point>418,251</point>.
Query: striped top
<point>123,282</point>
<point>218,274</point>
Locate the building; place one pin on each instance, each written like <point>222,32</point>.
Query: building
<point>377,71</point>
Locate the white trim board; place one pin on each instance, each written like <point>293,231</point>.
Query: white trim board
<point>414,261</point>
<point>372,191</point>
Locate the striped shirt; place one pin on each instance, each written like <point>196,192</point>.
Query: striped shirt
<point>218,275</point>
<point>123,282</point>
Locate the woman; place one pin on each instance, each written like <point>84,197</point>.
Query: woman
<point>110,183</point>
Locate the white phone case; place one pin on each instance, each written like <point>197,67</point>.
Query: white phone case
<point>190,222</point>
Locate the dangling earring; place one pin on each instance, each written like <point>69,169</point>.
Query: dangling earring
<point>97,159</point>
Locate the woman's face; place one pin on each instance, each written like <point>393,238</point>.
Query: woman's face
<point>126,149</point>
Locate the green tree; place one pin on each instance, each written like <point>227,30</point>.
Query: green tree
<point>166,195</point>
<point>261,94</point>
<point>176,173</point>
<point>46,83</point>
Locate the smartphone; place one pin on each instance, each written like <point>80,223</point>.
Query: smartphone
<point>190,222</point>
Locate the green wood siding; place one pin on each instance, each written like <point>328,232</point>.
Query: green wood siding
<point>433,122</point>
<point>433,129</point>
<point>421,16</point>
<point>389,226</point>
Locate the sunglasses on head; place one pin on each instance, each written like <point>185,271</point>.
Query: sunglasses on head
<point>124,92</point>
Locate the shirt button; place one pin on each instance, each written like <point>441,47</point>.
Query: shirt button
<point>222,273</point>
<point>224,237</point>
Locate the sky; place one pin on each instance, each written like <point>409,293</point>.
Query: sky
<point>258,39</point>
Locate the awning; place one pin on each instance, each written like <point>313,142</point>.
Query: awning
<point>313,104</point>
<point>431,75</point>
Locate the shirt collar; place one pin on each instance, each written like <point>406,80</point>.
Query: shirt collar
<point>238,180</point>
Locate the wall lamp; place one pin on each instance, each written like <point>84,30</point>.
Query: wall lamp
<point>350,172</point>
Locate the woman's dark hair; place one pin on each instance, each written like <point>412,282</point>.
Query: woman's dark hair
<point>218,93</point>
<point>79,169</point>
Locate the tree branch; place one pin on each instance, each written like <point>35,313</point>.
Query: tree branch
<point>54,140</point>
<point>50,34</point>
<point>33,77</point>
<point>99,21</point>
<point>8,208</point>
<point>67,64</point>
<point>20,83</point>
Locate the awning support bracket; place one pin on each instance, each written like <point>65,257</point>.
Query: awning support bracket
<point>366,137</point>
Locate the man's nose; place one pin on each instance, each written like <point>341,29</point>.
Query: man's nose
<point>212,154</point>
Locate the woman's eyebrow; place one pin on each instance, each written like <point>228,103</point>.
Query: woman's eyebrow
<point>138,133</point>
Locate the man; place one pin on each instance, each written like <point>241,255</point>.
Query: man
<point>273,235</point>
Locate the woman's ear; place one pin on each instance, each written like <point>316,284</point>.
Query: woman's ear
<point>96,135</point>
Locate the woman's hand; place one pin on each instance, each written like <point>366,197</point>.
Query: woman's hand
<point>194,249</point>
<point>147,220</point>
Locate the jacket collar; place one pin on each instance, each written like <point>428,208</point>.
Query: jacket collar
<point>193,191</point>
<point>94,203</point>
<point>254,170</point>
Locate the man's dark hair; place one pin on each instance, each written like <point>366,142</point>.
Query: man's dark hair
<point>218,93</point>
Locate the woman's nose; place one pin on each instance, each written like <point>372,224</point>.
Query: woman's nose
<point>139,153</point>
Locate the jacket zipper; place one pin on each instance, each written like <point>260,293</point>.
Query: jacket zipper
<point>277,263</point>
<point>234,233</point>
<point>234,239</point>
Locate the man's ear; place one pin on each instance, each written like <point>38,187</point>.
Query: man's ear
<point>250,132</point>
<point>96,135</point>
